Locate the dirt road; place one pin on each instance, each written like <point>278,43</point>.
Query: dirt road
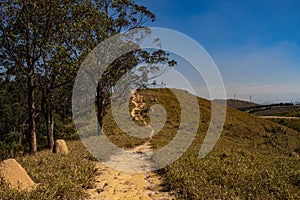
<point>112,184</point>
<point>278,117</point>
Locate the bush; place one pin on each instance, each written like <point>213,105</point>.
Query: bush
<point>10,150</point>
<point>65,129</point>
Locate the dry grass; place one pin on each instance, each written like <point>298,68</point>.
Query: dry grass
<point>250,160</point>
<point>58,176</point>
<point>234,175</point>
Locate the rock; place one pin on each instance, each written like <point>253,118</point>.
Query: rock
<point>15,175</point>
<point>60,147</point>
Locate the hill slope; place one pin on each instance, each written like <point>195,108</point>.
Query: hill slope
<point>288,111</point>
<point>241,130</point>
<point>250,159</point>
<point>237,104</point>
<point>58,176</point>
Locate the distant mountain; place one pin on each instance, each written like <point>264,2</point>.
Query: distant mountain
<point>237,104</point>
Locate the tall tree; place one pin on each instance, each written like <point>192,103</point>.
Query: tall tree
<point>43,40</point>
<point>46,41</point>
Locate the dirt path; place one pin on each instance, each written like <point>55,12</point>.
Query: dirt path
<point>278,117</point>
<point>113,184</point>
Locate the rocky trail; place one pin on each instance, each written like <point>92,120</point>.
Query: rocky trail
<point>112,184</point>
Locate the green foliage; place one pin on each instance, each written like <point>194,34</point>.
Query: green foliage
<point>45,48</point>
<point>65,129</point>
<point>10,150</point>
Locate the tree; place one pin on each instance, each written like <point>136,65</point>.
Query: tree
<point>138,66</point>
<point>34,35</point>
<point>45,41</point>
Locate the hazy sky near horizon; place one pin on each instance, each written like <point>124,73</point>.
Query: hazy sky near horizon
<point>255,44</point>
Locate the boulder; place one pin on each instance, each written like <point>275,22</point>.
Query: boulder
<point>15,175</point>
<point>60,146</point>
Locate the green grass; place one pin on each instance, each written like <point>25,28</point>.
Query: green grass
<point>58,176</point>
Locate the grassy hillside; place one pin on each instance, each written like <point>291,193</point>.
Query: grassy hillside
<point>287,109</point>
<point>291,123</point>
<point>250,160</point>
<point>237,104</point>
<point>241,130</point>
<point>58,176</point>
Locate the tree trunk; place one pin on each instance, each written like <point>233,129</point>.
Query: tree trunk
<point>47,110</point>
<point>50,128</point>
<point>31,115</point>
<point>99,108</point>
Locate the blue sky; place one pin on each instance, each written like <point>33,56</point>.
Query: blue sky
<point>255,44</point>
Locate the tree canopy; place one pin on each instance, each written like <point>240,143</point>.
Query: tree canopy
<point>43,44</point>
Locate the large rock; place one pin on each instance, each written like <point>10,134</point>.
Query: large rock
<point>61,147</point>
<point>15,175</point>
